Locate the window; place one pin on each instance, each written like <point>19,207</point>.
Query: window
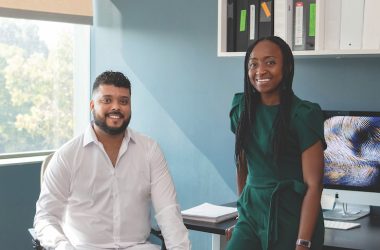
<point>44,83</point>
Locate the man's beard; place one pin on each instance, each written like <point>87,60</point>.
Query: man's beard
<point>101,123</point>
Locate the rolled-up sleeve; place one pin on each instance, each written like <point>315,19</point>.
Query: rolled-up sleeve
<point>236,109</point>
<point>168,214</point>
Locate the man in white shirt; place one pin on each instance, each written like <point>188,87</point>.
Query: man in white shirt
<point>99,187</point>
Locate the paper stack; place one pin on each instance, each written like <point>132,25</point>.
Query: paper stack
<point>210,213</point>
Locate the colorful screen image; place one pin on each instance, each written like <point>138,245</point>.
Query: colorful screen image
<point>352,157</point>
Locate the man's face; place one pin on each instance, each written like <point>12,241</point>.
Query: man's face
<point>111,108</point>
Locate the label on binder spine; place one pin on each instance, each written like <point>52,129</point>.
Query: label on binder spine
<point>252,22</point>
<point>298,26</point>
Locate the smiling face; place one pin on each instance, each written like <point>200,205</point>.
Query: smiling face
<point>111,108</point>
<point>265,67</point>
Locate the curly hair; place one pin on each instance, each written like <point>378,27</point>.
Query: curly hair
<point>114,78</point>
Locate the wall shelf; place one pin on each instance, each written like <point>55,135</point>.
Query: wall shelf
<point>319,52</point>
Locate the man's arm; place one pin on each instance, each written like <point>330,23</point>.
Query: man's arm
<point>167,210</point>
<point>51,206</point>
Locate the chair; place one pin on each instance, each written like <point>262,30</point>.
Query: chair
<point>36,243</point>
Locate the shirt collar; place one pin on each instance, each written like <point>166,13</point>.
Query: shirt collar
<point>90,136</point>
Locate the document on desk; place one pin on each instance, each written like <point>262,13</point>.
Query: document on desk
<point>210,213</point>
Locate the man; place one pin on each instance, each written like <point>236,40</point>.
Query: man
<point>98,187</point>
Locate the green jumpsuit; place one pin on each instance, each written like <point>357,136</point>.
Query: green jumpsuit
<point>270,203</point>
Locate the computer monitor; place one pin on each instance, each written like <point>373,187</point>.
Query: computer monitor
<point>352,156</point>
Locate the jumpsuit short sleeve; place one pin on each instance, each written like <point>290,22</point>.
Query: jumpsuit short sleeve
<point>309,120</point>
<point>236,109</point>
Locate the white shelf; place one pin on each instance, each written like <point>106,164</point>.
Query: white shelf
<point>336,53</point>
<point>319,39</point>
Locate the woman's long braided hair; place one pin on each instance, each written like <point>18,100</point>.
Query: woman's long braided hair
<point>252,98</point>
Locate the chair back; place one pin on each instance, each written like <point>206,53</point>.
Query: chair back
<point>35,242</point>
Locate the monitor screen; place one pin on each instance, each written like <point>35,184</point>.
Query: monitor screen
<point>352,156</point>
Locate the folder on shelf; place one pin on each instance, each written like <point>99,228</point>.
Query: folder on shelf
<point>310,25</point>
<point>304,24</point>
<point>253,15</point>
<point>371,30</point>
<point>266,22</point>
<point>210,213</point>
<point>231,19</point>
<point>351,25</point>
<point>332,24</point>
<point>283,20</point>
<point>241,26</point>
<point>299,25</point>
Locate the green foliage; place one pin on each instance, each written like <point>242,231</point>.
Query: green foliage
<point>36,82</point>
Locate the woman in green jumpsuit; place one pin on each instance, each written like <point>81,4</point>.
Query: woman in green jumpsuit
<point>279,155</point>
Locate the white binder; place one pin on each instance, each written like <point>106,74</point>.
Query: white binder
<point>371,26</point>
<point>351,25</point>
<point>283,20</point>
<point>332,24</point>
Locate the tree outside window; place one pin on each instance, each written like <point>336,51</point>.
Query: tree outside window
<point>36,85</point>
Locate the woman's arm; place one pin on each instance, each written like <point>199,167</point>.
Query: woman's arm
<point>241,173</point>
<point>241,178</point>
<point>312,169</point>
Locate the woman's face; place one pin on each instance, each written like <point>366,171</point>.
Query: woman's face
<point>265,70</point>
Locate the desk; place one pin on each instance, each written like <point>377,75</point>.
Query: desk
<point>366,237</point>
<point>217,229</point>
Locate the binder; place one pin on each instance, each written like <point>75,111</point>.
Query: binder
<point>283,20</point>
<point>371,30</point>
<point>310,25</point>
<point>253,14</point>
<point>241,25</point>
<point>304,24</point>
<point>299,25</point>
<point>231,19</point>
<point>351,25</point>
<point>266,23</point>
<point>332,24</point>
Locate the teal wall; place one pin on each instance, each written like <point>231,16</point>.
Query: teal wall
<point>19,189</point>
<point>181,91</point>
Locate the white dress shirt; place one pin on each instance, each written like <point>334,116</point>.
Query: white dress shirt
<point>87,203</point>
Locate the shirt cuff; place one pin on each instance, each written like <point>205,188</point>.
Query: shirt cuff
<point>64,245</point>
<point>174,231</point>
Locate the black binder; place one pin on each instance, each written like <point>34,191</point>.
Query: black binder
<point>266,20</point>
<point>231,24</point>
<point>253,20</point>
<point>241,25</point>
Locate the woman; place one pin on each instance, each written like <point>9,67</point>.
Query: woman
<point>279,155</point>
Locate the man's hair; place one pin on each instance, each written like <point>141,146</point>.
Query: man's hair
<point>114,78</point>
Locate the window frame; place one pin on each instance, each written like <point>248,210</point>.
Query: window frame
<point>81,74</point>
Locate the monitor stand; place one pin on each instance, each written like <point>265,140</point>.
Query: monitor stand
<point>343,211</point>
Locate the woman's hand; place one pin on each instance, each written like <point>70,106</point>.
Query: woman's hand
<point>301,248</point>
<point>229,231</point>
